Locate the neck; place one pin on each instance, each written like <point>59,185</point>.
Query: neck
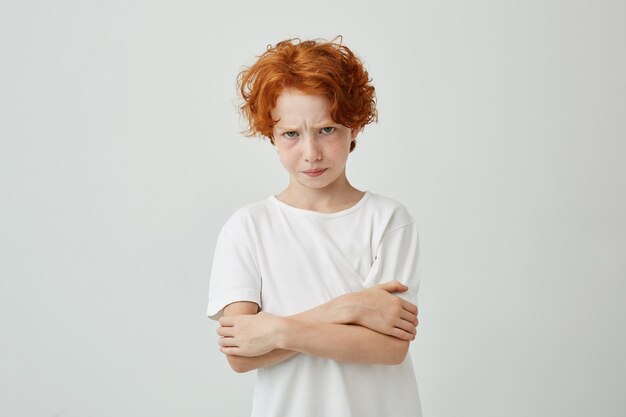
<point>334,197</point>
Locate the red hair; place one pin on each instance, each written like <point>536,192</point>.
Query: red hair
<point>313,67</point>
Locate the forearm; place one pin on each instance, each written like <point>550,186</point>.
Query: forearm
<point>334,311</point>
<point>248,363</point>
<point>330,312</point>
<point>344,343</point>
<point>327,331</point>
<point>371,326</point>
<point>340,342</point>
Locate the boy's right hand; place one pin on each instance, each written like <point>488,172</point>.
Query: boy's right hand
<point>378,309</point>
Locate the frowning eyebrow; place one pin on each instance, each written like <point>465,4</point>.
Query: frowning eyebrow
<point>326,123</point>
<point>285,128</point>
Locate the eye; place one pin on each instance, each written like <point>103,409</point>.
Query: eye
<point>327,130</point>
<point>290,135</point>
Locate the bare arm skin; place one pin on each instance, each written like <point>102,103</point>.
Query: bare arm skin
<point>370,326</point>
<point>246,363</point>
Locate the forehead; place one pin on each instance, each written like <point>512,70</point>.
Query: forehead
<point>295,107</point>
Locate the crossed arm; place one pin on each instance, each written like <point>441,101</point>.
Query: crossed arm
<point>370,326</point>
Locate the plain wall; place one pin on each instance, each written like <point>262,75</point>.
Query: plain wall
<point>501,129</point>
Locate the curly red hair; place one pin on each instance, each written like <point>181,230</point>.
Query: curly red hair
<point>316,67</point>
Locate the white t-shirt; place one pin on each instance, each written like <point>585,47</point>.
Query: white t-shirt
<point>288,260</point>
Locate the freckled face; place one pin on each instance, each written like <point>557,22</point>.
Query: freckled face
<point>311,146</point>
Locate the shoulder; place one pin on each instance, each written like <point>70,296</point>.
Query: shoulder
<point>247,217</point>
<point>389,211</point>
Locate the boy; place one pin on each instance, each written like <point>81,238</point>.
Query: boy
<point>316,286</point>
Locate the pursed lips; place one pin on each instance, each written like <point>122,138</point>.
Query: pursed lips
<point>314,172</point>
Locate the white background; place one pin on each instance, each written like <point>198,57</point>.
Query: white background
<point>501,129</point>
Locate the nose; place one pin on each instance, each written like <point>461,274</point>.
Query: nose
<point>312,150</point>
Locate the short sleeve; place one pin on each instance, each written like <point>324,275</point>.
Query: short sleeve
<point>397,258</point>
<point>234,273</point>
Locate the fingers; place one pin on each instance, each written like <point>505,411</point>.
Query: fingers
<point>227,336</point>
<point>407,324</point>
<point>225,331</point>
<point>410,307</point>
<point>392,286</point>
<point>406,327</point>
<point>226,339</point>
<point>227,342</point>
<point>401,334</point>
<point>408,317</point>
<point>227,320</point>
<point>235,351</point>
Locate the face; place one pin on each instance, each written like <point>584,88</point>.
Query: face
<point>311,146</point>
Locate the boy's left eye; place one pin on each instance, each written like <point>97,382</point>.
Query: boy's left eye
<point>328,130</point>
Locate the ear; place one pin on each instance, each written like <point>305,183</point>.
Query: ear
<point>354,133</point>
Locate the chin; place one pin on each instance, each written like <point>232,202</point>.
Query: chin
<point>317,185</point>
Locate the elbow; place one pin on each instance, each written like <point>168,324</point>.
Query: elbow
<point>239,364</point>
<point>398,352</point>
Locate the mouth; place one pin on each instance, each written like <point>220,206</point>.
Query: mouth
<point>314,172</point>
